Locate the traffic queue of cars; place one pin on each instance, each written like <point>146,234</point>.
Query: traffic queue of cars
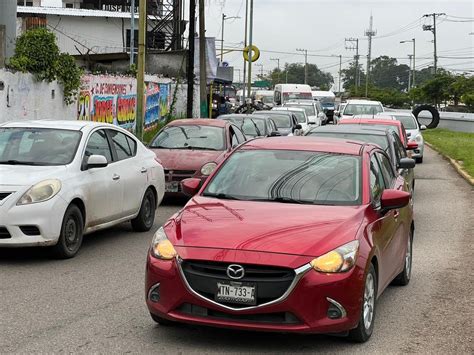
<point>281,232</point>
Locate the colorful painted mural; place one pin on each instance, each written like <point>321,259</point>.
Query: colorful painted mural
<point>113,99</point>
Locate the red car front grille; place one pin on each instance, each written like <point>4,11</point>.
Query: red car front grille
<point>272,282</point>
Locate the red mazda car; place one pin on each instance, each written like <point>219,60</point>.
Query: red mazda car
<point>288,234</point>
<point>379,120</point>
<point>193,148</point>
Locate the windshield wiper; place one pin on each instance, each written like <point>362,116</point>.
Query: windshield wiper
<point>287,200</point>
<point>198,148</point>
<point>18,162</point>
<point>222,196</point>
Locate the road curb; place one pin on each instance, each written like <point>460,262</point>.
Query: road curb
<point>459,169</point>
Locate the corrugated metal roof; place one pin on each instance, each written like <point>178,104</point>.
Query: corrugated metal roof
<point>62,11</point>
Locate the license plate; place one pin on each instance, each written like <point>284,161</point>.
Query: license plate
<point>172,186</point>
<point>236,292</point>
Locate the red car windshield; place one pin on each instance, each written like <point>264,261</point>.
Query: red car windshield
<point>190,137</point>
<point>289,176</point>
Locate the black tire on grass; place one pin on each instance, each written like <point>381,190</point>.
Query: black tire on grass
<point>431,109</point>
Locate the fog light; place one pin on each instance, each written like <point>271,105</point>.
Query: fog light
<point>335,310</point>
<point>154,293</point>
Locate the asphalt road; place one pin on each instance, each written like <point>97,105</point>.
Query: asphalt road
<point>95,302</point>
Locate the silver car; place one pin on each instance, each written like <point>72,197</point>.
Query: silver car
<point>413,130</point>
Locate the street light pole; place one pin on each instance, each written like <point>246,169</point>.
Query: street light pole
<point>414,60</point>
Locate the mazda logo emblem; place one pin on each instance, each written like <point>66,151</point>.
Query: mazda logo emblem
<point>235,272</point>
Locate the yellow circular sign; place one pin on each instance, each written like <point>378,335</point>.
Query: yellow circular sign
<point>255,53</point>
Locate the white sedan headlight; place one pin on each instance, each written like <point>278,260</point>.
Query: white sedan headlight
<point>41,192</point>
<point>208,169</point>
<point>418,138</point>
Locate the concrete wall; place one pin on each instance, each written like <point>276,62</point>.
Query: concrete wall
<point>104,98</point>
<point>8,18</point>
<point>23,98</point>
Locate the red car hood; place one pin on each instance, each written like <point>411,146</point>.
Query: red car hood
<point>264,226</point>
<point>183,159</point>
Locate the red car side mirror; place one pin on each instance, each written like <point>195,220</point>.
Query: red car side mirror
<point>190,187</point>
<point>394,199</point>
<point>412,145</point>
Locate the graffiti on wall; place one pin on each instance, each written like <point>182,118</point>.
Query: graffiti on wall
<point>113,99</point>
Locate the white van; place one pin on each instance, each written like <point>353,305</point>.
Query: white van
<point>285,92</point>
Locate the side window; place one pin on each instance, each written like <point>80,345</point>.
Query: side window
<point>376,181</point>
<point>240,136</point>
<point>399,145</point>
<point>99,145</point>
<point>233,138</point>
<point>236,136</point>
<point>278,97</point>
<point>121,145</point>
<point>387,169</point>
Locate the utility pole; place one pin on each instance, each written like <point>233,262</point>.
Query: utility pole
<point>202,60</point>
<point>340,72</point>
<point>356,48</point>
<point>305,51</point>
<point>141,69</point>
<point>261,69</point>
<point>224,18</point>
<point>250,47</point>
<point>369,33</point>
<point>244,86</point>
<point>410,56</point>
<point>433,30</point>
<point>278,66</point>
<point>414,60</point>
<point>222,39</point>
<point>190,71</point>
<point>132,32</point>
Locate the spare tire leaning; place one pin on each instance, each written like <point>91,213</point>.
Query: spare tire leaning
<point>434,113</point>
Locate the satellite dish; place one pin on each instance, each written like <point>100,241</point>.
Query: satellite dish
<point>225,64</point>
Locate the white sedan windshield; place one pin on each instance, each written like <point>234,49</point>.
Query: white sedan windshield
<point>37,146</point>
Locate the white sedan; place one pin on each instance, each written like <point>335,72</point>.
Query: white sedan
<point>62,179</point>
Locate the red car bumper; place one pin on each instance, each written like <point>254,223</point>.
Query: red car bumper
<point>304,309</point>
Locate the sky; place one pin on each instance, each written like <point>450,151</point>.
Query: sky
<point>322,26</point>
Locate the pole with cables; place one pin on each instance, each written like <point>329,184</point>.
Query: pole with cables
<point>132,32</point>
<point>141,69</point>
<point>244,84</point>
<point>190,71</point>
<point>249,84</point>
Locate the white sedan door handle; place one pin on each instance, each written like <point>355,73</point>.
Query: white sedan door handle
<point>143,170</point>
<point>116,177</point>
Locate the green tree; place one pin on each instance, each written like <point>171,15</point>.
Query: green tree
<point>349,77</point>
<point>36,52</point>
<point>387,73</point>
<point>294,73</point>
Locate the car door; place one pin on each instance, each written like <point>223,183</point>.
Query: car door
<point>397,241</point>
<point>103,190</point>
<point>132,171</point>
<point>384,228</point>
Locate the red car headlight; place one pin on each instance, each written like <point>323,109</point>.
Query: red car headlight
<point>338,260</point>
<point>161,247</point>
